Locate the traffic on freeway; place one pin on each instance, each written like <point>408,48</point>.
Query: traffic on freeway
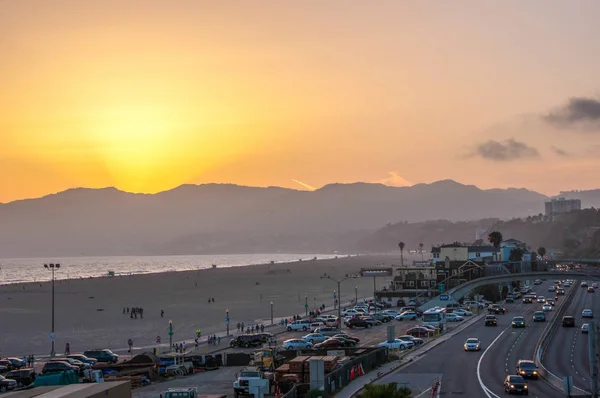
<point>468,372</point>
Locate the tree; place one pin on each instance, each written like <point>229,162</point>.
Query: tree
<point>401,246</point>
<point>421,249</point>
<point>390,390</point>
<point>541,252</point>
<point>516,254</point>
<point>495,238</point>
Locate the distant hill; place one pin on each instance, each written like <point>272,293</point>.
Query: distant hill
<point>224,218</point>
<point>588,199</point>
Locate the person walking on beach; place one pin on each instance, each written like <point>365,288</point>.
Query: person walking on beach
<point>162,313</point>
<point>196,343</point>
<point>67,349</point>
<point>262,327</point>
<point>130,344</point>
<point>219,340</point>
<point>242,327</point>
<point>238,326</point>
<point>142,313</point>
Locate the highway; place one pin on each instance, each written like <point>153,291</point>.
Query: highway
<point>479,374</point>
<point>567,354</point>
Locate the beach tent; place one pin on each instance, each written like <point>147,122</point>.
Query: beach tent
<point>56,379</point>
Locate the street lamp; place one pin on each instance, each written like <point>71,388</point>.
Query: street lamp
<point>170,335</point>
<point>52,267</point>
<point>271,312</point>
<point>339,291</point>
<point>306,304</point>
<point>227,321</point>
<point>356,294</point>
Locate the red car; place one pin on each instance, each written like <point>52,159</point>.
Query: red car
<point>330,343</point>
<point>419,331</point>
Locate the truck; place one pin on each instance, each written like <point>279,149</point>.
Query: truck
<point>241,385</point>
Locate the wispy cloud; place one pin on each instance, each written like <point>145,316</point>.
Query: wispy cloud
<point>310,188</point>
<point>394,180</point>
<point>577,111</point>
<point>505,151</point>
<point>560,152</point>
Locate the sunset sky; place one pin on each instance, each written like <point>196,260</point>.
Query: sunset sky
<point>148,95</point>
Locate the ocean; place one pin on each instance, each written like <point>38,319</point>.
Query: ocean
<point>32,269</point>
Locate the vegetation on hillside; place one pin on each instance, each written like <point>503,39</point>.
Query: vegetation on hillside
<point>390,390</point>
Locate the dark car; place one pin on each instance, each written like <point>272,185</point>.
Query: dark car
<point>102,355</point>
<point>346,337</point>
<point>357,322</point>
<point>330,343</point>
<point>265,336</point>
<point>382,317</point>
<point>5,363</point>
<point>590,289</point>
<point>23,377</point>
<point>18,363</point>
<point>57,366</point>
<point>515,384</point>
<point>246,340</point>
<point>491,320</point>
<point>344,342</point>
<point>419,331</point>
<point>518,322</point>
<point>560,292</point>
<point>7,384</point>
<point>539,316</point>
<point>527,368</point>
<point>83,358</point>
<point>568,321</point>
<point>527,300</point>
<point>496,309</point>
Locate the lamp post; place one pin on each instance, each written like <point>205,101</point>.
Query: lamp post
<point>227,321</point>
<point>271,312</point>
<point>170,335</point>
<point>356,294</point>
<point>52,268</point>
<point>306,304</point>
<point>339,282</point>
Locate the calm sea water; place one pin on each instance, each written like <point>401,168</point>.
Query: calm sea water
<point>32,269</point>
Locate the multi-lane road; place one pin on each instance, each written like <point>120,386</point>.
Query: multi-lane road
<point>481,374</point>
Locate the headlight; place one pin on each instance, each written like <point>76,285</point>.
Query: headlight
<point>522,372</point>
<point>512,386</point>
<point>525,386</point>
<point>535,372</point>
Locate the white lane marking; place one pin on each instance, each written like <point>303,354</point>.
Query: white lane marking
<point>486,390</point>
<point>423,393</point>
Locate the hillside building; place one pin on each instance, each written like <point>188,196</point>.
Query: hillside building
<point>562,205</point>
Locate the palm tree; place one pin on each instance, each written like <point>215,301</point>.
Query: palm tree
<point>401,246</point>
<point>421,249</point>
<point>542,252</point>
<point>495,238</point>
<point>390,390</point>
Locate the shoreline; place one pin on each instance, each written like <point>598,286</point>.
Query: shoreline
<point>89,311</point>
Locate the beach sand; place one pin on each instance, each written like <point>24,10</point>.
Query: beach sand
<point>89,312</point>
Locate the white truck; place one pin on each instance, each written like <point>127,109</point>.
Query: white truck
<point>241,386</point>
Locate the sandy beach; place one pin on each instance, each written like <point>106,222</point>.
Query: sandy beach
<point>89,312</point>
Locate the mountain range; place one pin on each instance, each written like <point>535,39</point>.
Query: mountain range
<point>226,218</point>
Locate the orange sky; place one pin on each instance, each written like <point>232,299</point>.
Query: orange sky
<point>149,95</point>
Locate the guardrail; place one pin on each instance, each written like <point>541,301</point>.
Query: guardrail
<point>545,339</point>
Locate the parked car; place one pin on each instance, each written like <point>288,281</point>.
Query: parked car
<point>327,331</point>
<point>243,340</point>
<point>357,322</point>
<point>303,324</point>
<point>102,355</point>
<point>314,338</point>
<point>7,384</point>
<point>397,344</point>
<point>372,321</point>
<point>407,315</point>
<point>329,343</point>
<point>59,366</point>
<point>420,331</point>
<point>297,344</point>
<point>5,363</point>
<point>346,337</point>
<point>454,318</point>
<point>17,363</point>
<point>380,316</point>
<point>415,340</point>
<point>23,376</point>
<point>462,312</point>
<point>83,358</point>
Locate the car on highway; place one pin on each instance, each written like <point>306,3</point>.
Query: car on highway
<point>462,312</point>
<point>560,292</point>
<point>515,384</point>
<point>415,340</point>
<point>585,328</point>
<point>587,313</point>
<point>357,323</point>
<point>552,288</point>
<point>537,282</point>
<point>407,315</point>
<point>595,285</point>
<point>518,322</point>
<point>303,324</point>
<point>509,298</point>
<point>491,320</point>
<point>420,331</point>
<point>527,368</point>
<point>452,317</point>
<point>567,284</point>
<point>527,299</point>
<point>315,338</point>
<point>590,289</point>
<point>397,344</point>
<point>539,316</point>
<point>297,344</point>
<point>568,321</point>
<point>584,284</point>
<point>472,344</point>
<point>546,307</point>
<point>551,302</point>
<point>541,299</point>
<point>496,309</point>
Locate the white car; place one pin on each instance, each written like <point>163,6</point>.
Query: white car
<point>567,284</point>
<point>452,317</point>
<point>297,344</point>
<point>546,307</point>
<point>299,325</point>
<point>407,315</point>
<point>397,344</point>
<point>350,313</point>
<point>472,344</point>
<point>585,328</point>
<point>461,312</point>
<point>392,313</point>
<point>587,313</point>
<point>315,338</point>
<point>415,340</point>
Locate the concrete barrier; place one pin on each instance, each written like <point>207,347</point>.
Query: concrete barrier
<point>542,344</point>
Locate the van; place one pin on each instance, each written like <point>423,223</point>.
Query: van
<point>247,340</point>
<point>303,324</point>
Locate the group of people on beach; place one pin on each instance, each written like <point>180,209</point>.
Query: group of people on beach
<point>250,329</point>
<point>134,312</point>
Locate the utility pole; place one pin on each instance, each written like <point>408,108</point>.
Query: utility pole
<point>52,267</point>
<point>339,294</point>
<point>592,344</point>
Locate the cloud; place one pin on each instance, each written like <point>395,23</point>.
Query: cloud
<point>559,152</point>
<point>505,151</point>
<point>578,110</point>
<point>394,180</point>
<point>310,188</point>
